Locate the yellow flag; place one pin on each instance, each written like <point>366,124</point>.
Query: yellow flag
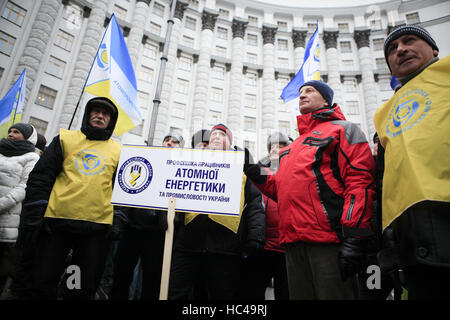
<point>414,128</point>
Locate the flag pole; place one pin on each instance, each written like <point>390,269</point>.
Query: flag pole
<point>162,70</point>
<point>20,90</point>
<point>90,69</point>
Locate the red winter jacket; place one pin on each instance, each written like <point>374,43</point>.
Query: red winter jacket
<point>325,182</point>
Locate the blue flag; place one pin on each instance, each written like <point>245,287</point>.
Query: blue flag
<point>11,106</point>
<point>310,70</point>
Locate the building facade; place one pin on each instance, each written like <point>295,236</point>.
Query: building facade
<point>228,61</point>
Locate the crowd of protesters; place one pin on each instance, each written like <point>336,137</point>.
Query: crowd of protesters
<point>322,216</point>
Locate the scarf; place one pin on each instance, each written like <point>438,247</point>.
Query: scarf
<point>15,147</point>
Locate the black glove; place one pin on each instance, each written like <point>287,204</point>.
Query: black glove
<point>251,248</point>
<point>252,170</point>
<point>352,257</point>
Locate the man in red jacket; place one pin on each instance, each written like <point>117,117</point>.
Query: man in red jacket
<point>325,190</point>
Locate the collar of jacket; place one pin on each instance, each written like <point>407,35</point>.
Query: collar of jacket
<point>305,122</point>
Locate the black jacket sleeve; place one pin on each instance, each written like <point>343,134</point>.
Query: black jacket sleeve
<point>254,214</point>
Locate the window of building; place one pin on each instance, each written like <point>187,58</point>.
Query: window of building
<point>179,110</point>
<point>218,72</point>
<point>282,44</point>
<point>144,100</point>
<point>14,13</point>
<point>182,86</point>
<point>378,43</point>
<point>216,94</point>
<point>46,97</point>
<point>252,39</point>
<point>55,67</point>
<point>64,40</point>
<point>285,127</point>
<point>190,23</point>
<point>283,62</point>
<point>253,21</point>
<point>375,24</point>
<point>311,27</point>
<point>352,107</point>
<point>214,117</point>
<point>343,28</point>
<point>176,131</point>
<point>150,50</point>
<point>250,101</point>
<point>282,82</point>
<point>1,72</point>
<point>412,18</point>
<point>385,84</point>
<point>221,51</point>
<point>158,9</point>
<point>282,25</point>
<point>349,85</point>
<point>39,125</point>
<point>188,41</point>
<point>250,145</point>
<point>193,4</point>
<point>146,74</point>
<point>346,46</point>
<point>73,14</point>
<point>347,65</point>
<point>6,43</point>
<point>222,33</point>
<point>250,124</point>
<point>155,28</point>
<point>380,63</point>
<point>251,78</point>
<point>282,107</point>
<point>120,12</point>
<point>185,63</point>
<point>138,130</point>
<point>224,14</point>
<point>252,58</point>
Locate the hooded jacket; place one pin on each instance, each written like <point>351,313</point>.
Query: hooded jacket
<point>50,166</point>
<point>325,182</point>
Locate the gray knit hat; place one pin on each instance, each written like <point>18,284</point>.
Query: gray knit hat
<point>408,29</point>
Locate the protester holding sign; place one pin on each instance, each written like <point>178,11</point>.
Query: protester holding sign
<point>324,190</point>
<point>212,246</point>
<point>414,154</point>
<point>68,197</point>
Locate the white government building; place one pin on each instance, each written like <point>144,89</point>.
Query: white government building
<point>228,60</point>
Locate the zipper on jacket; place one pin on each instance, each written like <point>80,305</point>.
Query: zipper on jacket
<point>350,209</point>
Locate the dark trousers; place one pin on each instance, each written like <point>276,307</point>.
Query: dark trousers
<point>313,273</point>
<point>220,274</point>
<point>427,282</point>
<point>259,270</point>
<point>149,246</point>
<point>89,254</point>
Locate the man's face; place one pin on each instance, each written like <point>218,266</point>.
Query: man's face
<point>408,53</point>
<point>310,100</point>
<point>171,142</point>
<point>274,152</point>
<point>14,134</point>
<point>218,140</point>
<point>99,117</point>
<point>201,145</point>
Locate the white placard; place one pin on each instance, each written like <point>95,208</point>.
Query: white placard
<point>202,181</point>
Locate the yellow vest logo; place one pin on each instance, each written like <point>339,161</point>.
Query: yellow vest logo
<point>410,109</point>
<point>90,162</point>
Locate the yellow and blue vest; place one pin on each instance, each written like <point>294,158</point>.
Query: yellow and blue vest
<point>83,189</point>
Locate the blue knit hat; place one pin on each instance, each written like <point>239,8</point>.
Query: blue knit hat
<point>324,89</point>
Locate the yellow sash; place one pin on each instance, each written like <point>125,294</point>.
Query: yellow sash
<point>83,189</point>
<point>414,128</point>
<point>231,223</point>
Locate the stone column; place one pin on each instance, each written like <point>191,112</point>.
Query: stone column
<point>268,100</point>
<point>200,110</point>
<point>36,44</point>
<point>334,78</point>
<point>88,49</point>
<point>298,38</point>
<point>162,127</point>
<point>236,78</point>
<point>368,82</point>
<point>137,30</point>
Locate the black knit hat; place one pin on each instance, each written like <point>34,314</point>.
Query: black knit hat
<point>324,89</point>
<point>175,136</point>
<point>408,29</point>
<point>200,136</point>
<point>24,128</point>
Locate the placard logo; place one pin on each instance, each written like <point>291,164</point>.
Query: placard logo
<point>135,175</point>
